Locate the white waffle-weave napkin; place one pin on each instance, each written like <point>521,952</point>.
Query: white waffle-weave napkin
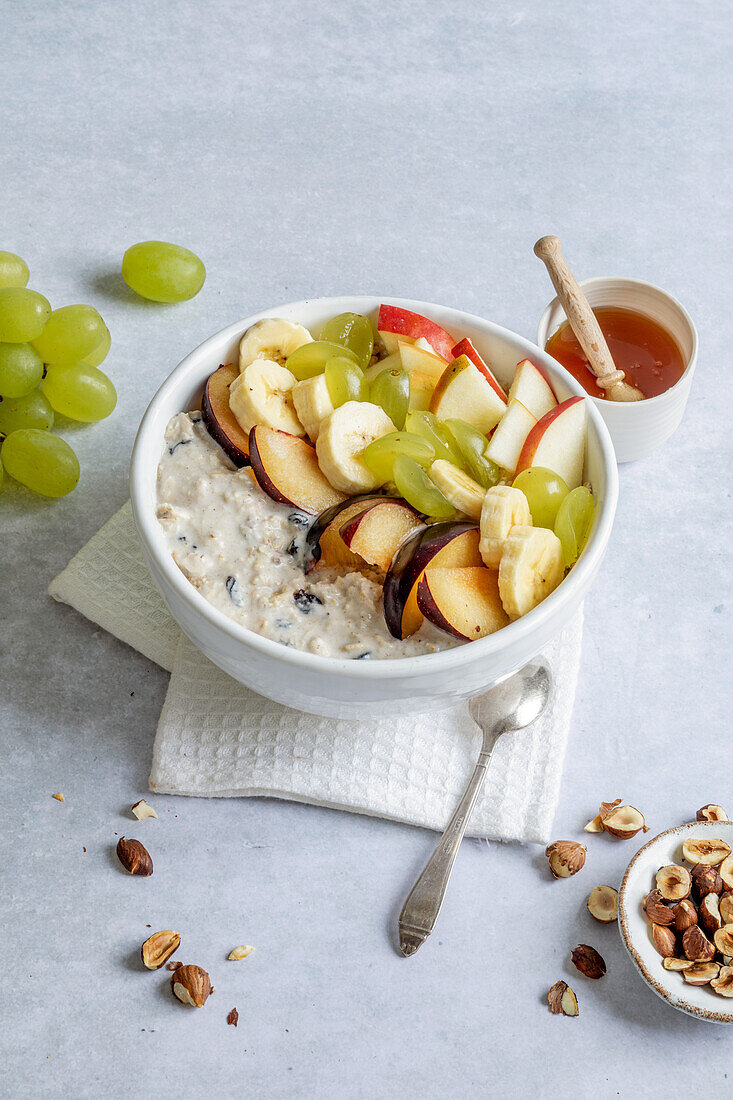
<point>218,738</point>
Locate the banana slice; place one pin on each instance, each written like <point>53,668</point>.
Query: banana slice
<point>465,494</point>
<point>312,403</point>
<point>262,394</point>
<point>531,568</point>
<point>341,441</point>
<point>504,507</point>
<point>273,339</point>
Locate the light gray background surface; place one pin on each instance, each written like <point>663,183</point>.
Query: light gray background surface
<point>307,149</point>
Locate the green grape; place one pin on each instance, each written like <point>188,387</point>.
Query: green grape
<point>574,521</point>
<point>345,381</point>
<point>30,411</point>
<point>23,314</point>
<point>100,353</point>
<point>429,427</point>
<point>380,455</point>
<point>79,392</point>
<point>13,270</point>
<point>351,331</point>
<point>310,359</point>
<point>71,332</point>
<point>163,272</point>
<point>21,369</point>
<point>41,461</point>
<point>472,444</point>
<point>2,476</point>
<point>418,490</point>
<point>545,491</point>
<point>391,391</point>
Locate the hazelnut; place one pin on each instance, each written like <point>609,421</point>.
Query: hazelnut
<point>724,940</point>
<point>709,916</point>
<point>173,965</point>
<point>723,984</point>
<point>587,960</point>
<point>726,909</point>
<point>708,852</point>
<point>673,963</point>
<point>696,945</point>
<point>656,910</point>
<point>158,948</point>
<point>705,880</point>
<point>595,825</point>
<point>240,952</point>
<point>685,915</point>
<point>191,985</point>
<point>624,822</point>
<point>603,904</point>
<point>673,882</point>
<point>665,940</point>
<point>711,812</point>
<point>134,857</point>
<point>141,810</point>
<point>726,872</point>
<point>566,858</point>
<point>562,1000</point>
<point>233,1018</point>
<point>701,973</point>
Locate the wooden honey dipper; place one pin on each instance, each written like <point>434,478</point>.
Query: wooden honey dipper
<point>584,323</point>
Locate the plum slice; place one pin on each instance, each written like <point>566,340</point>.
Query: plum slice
<point>463,601</point>
<point>377,532</point>
<point>222,425</point>
<point>286,468</point>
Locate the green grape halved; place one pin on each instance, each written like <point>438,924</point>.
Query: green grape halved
<point>100,353</point>
<point>380,455</point>
<point>344,381</point>
<point>23,314</point>
<point>352,331</point>
<point>310,359</point>
<point>71,332</point>
<point>41,461</point>
<point>418,490</point>
<point>79,392</point>
<point>13,270</point>
<point>472,443</point>
<point>574,521</point>
<point>545,491</point>
<point>163,272</point>
<point>21,369</point>
<point>30,411</point>
<point>391,391</point>
<point>429,427</point>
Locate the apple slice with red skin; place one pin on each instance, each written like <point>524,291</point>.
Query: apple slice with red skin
<point>377,532</point>
<point>557,442</point>
<point>465,347</point>
<point>286,468</point>
<point>446,544</point>
<point>404,322</point>
<point>220,421</point>
<point>324,540</point>
<point>463,601</point>
<point>531,387</point>
<point>464,392</point>
<point>506,443</point>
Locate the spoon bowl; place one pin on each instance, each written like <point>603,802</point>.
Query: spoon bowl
<point>515,702</point>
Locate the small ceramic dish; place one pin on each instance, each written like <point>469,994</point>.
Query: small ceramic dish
<point>638,427</point>
<point>700,1001</point>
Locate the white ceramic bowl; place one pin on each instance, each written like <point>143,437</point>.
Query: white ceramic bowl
<point>700,1001</point>
<point>362,689</point>
<point>638,427</point>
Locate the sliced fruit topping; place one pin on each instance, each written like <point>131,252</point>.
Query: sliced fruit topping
<point>377,532</point>
<point>506,443</point>
<point>463,391</point>
<point>416,359</point>
<point>311,359</point>
<point>419,490</point>
<point>404,322</point>
<point>545,491</point>
<point>503,508</point>
<point>460,490</point>
<point>324,539</point>
<point>342,439</point>
<point>221,423</point>
<point>471,444</point>
<point>345,381</point>
<point>381,454</point>
<point>428,426</point>
<point>531,387</point>
<point>464,602</point>
<point>531,568</point>
<point>273,339</point>
<point>312,403</point>
<point>287,469</point>
<point>391,391</point>
<point>465,347</point>
<point>557,442</point>
<point>262,395</point>
<point>573,522</point>
<point>352,331</point>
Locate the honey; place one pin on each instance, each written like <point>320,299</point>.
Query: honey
<point>640,347</point>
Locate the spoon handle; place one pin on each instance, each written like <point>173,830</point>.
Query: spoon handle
<point>423,904</point>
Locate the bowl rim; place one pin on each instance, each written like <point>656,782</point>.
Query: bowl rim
<point>624,912</point>
<point>648,402</point>
<point>389,668</point>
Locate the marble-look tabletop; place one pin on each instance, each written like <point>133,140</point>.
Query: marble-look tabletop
<point>314,148</point>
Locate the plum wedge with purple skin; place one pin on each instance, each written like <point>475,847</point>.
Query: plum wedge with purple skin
<point>377,532</point>
<point>463,601</point>
<point>222,425</point>
<point>341,511</point>
<point>286,468</point>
